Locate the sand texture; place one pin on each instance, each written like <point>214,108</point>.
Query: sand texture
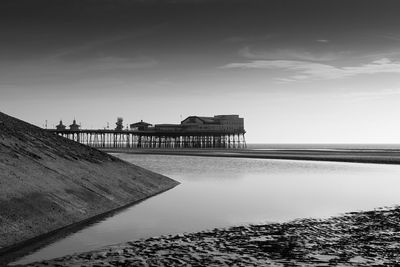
<point>48,182</point>
<point>354,239</point>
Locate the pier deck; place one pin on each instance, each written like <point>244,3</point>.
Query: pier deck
<point>155,139</point>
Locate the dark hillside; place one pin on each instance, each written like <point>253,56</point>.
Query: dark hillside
<point>48,182</point>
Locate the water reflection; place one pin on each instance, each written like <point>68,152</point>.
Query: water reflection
<point>219,192</point>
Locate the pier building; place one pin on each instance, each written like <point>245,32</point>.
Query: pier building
<point>139,126</point>
<point>217,123</point>
<point>219,131</point>
<point>60,126</point>
<point>74,126</point>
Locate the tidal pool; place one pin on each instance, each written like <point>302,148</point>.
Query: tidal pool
<point>221,192</point>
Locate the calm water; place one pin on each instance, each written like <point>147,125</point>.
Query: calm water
<point>220,192</point>
<point>324,146</point>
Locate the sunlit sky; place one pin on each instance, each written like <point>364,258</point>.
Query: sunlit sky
<point>298,71</point>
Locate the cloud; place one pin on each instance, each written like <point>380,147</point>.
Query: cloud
<point>289,54</point>
<point>113,63</point>
<point>243,39</point>
<point>305,70</point>
<point>115,45</point>
<point>323,41</point>
<point>371,94</point>
<point>391,37</point>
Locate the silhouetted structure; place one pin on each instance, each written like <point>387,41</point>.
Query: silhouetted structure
<point>74,126</point>
<point>217,123</point>
<point>119,124</point>
<point>221,131</point>
<point>140,126</point>
<point>61,126</point>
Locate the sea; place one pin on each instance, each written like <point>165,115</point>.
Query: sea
<point>223,192</point>
<point>319,146</point>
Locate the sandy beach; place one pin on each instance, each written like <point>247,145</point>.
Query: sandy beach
<point>368,238</point>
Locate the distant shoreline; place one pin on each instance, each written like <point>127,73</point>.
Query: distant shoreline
<point>376,156</point>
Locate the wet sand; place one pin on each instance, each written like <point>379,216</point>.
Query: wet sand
<point>380,156</point>
<point>368,238</point>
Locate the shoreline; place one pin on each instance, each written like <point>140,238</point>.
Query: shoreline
<point>376,156</point>
<point>18,251</point>
<point>353,239</point>
<point>272,241</point>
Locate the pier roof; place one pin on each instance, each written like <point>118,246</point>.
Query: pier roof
<point>205,120</point>
<point>140,123</point>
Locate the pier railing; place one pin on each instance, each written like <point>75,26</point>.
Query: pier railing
<point>156,139</point>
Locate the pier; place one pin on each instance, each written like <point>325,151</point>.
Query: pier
<point>222,131</point>
<point>154,139</point>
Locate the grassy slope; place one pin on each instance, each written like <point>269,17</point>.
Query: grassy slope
<point>47,182</point>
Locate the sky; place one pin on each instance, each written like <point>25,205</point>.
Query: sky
<point>298,71</point>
